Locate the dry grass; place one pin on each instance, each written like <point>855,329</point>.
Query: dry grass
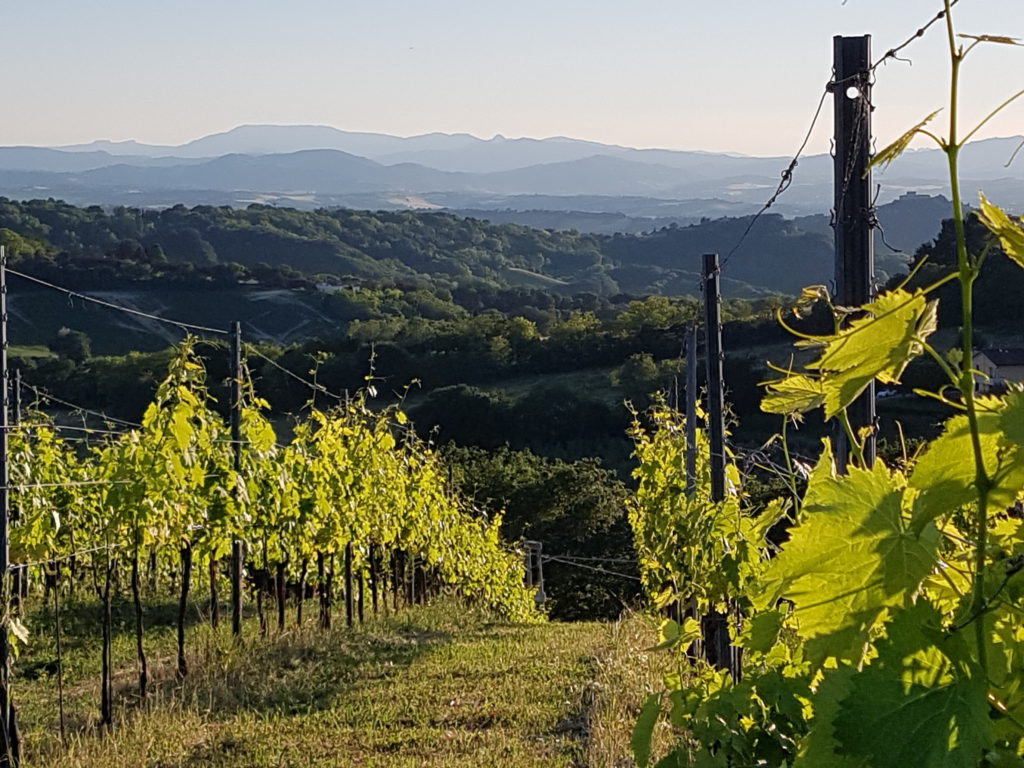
<point>435,687</point>
<point>625,674</point>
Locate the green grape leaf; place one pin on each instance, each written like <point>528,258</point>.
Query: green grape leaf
<point>898,147</point>
<point>761,632</point>
<point>19,631</point>
<point>794,394</point>
<point>671,633</point>
<point>1009,232</point>
<point>1003,759</point>
<point>911,705</point>
<point>849,559</point>
<point>945,475</point>
<point>640,741</point>
<point>679,758</point>
<point>818,748</point>
<point>876,346</point>
<point>1012,419</point>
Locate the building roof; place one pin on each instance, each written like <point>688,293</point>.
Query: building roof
<point>1003,356</point>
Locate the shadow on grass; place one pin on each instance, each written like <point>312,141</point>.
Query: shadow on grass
<point>295,672</point>
<point>81,619</point>
<point>298,671</point>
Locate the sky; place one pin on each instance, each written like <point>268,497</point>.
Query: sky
<point>718,75</point>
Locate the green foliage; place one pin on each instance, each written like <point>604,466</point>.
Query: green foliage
<point>913,704</point>
<point>641,379</point>
<point>855,519</point>
<point>640,742</point>
<point>348,476</point>
<point>74,345</point>
<point>878,345</point>
<point>282,247</point>
<point>574,508</point>
<point>945,482</point>
<point>1009,232</point>
<point>691,551</point>
<point>886,630</point>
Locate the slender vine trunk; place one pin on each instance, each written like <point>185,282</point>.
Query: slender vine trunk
<point>279,586</point>
<point>17,575</point>
<point>360,599</point>
<point>396,571</point>
<point>374,576</point>
<point>259,612</point>
<point>349,591</point>
<point>151,570</point>
<point>214,597</point>
<point>139,650</point>
<point>186,582</point>
<point>60,655</point>
<point>259,596</point>
<point>15,735</point>
<point>329,591</point>
<point>324,591</point>
<point>106,682</point>
<point>300,598</point>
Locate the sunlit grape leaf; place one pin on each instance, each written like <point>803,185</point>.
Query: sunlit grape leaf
<point>894,150</point>
<point>876,346</point>
<point>19,631</point>
<point>911,706</point>
<point>794,394</point>
<point>671,633</point>
<point>761,632</point>
<point>849,559</point>
<point>945,474</point>
<point>1009,232</point>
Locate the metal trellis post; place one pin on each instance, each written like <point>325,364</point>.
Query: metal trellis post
<point>853,214</point>
<point>236,442</point>
<point>8,756</point>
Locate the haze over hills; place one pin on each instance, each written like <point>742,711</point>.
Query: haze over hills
<point>313,166</point>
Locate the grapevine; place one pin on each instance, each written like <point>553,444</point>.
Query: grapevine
<point>887,629</point>
<point>166,497</point>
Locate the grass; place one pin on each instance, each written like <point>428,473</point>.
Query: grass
<point>438,686</point>
<point>30,351</point>
<point>595,382</point>
<point>625,674</point>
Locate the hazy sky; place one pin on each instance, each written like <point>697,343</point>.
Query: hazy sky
<point>736,75</point>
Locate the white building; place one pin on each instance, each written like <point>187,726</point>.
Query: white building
<point>998,367</point>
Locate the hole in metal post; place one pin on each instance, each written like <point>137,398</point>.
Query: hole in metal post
<point>853,92</point>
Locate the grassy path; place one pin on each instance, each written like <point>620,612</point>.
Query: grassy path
<point>430,688</point>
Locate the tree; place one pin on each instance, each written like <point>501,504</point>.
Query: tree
<point>658,312</point>
<point>573,508</point>
<point>73,345</point>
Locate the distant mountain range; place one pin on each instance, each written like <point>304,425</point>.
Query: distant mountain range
<point>314,166</point>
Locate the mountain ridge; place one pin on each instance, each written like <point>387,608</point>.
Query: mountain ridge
<point>439,170</point>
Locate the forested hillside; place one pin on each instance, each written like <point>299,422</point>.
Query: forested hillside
<point>776,256</point>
